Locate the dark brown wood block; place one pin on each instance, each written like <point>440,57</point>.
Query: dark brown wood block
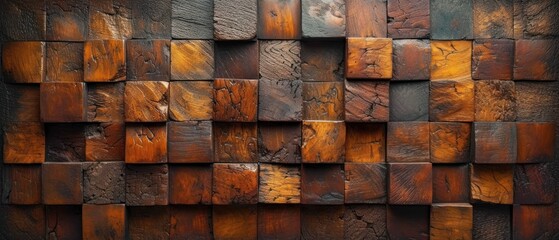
<point>64,222</point>
<point>492,59</point>
<point>22,184</point>
<point>62,183</point>
<point>63,102</point>
<point>323,101</point>
<point>450,142</point>
<point>279,184</point>
<point>451,221</point>
<point>23,62</point>
<point>411,59</point>
<point>407,142</point>
<point>407,222</point>
<point>148,60</point>
<point>65,142</point>
<point>535,101</point>
<point>104,221</point>
<point>409,19</point>
<point>322,222</point>
<point>451,19</point>
<point>190,184</point>
<point>535,142</point>
<point>105,102</point>
<point>191,222</point>
<point>366,18</point>
<point>492,222</point>
<point>22,222</point>
<point>279,142</point>
<point>235,142</point>
<point>235,183</point>
<point>279,222</point>
<point>104,60</point>
<point>236,59</point>
<point>146,143</point>
<point>492,183</point>
<point>495,101</point>
<point>322,184</point>
<point>451,60</point>
<point>365,183</point>
<point>23,20</point>
<point>366,101</point>
<point>365,142</point>
<point>64,62</point>
<point>323,61</point>
<point>110,19</point>
<point>452,100</point>
<point>451,183</point>
<point>536,60</point>
<point>151,19</point>
<point>22,103</point>
<point>104,142</point>
<point>235,19</point>
<point>365,222</point>
<point>146,101</point>
<point>533,184</point>
<point>147,185</point>
<point>369,58</point>
<point>235,100</point>
<point>495,142</point>
<point>280,100</point>
<point>535,19</point>
<point>409,101</point>
<point>410,183</point>
<point>323,142</point>
<point>148,222</point>
<point>192,19</point>
<point>323,19</point>
<point>190,142</point>
<point>67,20</point>
<point>279,19</point>
<point>235,222</point>
<point>533,221</point>
<point>192,60</point>
<point>24,143</point>
<point>493,19</point>
<point>103,183</point>
<point>191,100</point>
<point>280,60</point>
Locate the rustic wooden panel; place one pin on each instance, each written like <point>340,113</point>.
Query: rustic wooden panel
<point>494,142</point>
<point>192,60</point>
<point>23,62</point>
<point>190,184</point>
<point>279,184</point>
<point>148,222</point>
<point>62,183</point>
<point>322,222</point>
<point>103,60</point>
<point>492,183</point>
<point>410,183</point>
<point>105,102</point>
<point>532,221</point>
<point>23,143</point>
<point>190,142</point>
<point>22,103</point>
<point>146,143</point>
<point>495,101</point>
<point>451,183</point>
<point>409,101</point>
<point>492,222</point>
<point>280,100</point>
<point>365,222</point>
<point>451,60</point>
<point>190,100</point>
<point>323,101</point>
<point>366,101</point>
<point>365,183</point>
<point>279,221</point>
<point>151,19</point>
<point>452,100</point>
<point>492,59</point>
<point>146,101</point>
<point>191,222</point>
<point>23,20</point>
<point>411,59</point>
<point>23,222</point>
<point>235,142</point>
<point>536,142</point>
<point>323,142</point>
<point>64,222</point>
<point>67,20</point>
<point>104,183</point>
<point>405,222</point>
<point>236,59</point>
<point>235,183</point>
<point>65,142</point>
<point>323,19</point>
<point>235,222</point>
<point>110,19</point>
<point>21,184</point>
<point>104,142</point>
<point>104,221</point>
<point>279,19</point>
<point>493,19</point>
<point>451,19</point>
<point>192,19</point>
<point>450,142</point>
<point>366,18</point>
<point>534,60</point>
<point>147,185</point>
<point>369,58</point>
<point>451,221</point>
<point>322,61</point>
<point>365,142</point>
<point>407,142</point>
<point>533,184</point>
<point>63,102</point>
<point>535,19</point>
<point>64,62</point>
<point>148,60</point>
<point>409,19</point>
<point>235,100</point>
<point>235,19</point>
<point>322,184</point>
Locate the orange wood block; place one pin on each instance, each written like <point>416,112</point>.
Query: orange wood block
<point>410,183</point>
<point>535,142</point>
<point>235,183</point>
<point>369,58</point>
<point>63,102</point>
<point>452,101</point>
<point>24,143</point>
<point>235,100</point>
<point>21,184</point>
<point>235,142</point>
<point>279,19</point>
<point>192,60</point>
<point>104,60</point>
<point>190,100</point>
<point>146,143</point>
<point>492,183</point>
<point>365,142</point>
<point>451,221</point>
<point>23,62</point>
<point>323,142</point>
<point>235,222</point>
<point>279,184</point>
<point>190,184</point>
<point>146,101</point>
<point>451,60</point>
<point>103,221</point>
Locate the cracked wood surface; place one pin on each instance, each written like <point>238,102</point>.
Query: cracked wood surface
<point>366,18</point>
<point>322,61</point>
<point>146,143</point>
<point>192,19</point>
<point>148,60</point>
<point>64,62</point>
<point>105,102</point>
<point>451,221</point>
<point>365,183</point>
<point>63,222</point>
<point>190,142</point>
<point>104,183</point>
<point>279,143</point>
<point>365,222</point>
<point>322,184</point>
<point>369,58</point>
<point>146,101</point>
<point>365,143</point>
<point>21,184</point>
<point>451,183</point>
<point>191,100</point>
<point>151,19</point>
<point>279,184</point>
<point>366,101</point>
<point>192,60</point>
<point>323,142</point>
<point>535,19</point>
<point>235,142</point>
<point>110,19</point>
<point>492,183</point>
<point>451,60</point>
<point>408,19</point>
<point>407,142</point>
<point>235,183</point>
<point>323,101</point>
<point>190,184</point>
<point>147,185</point>
<point>280,60</point>
<point>104,60</point>
<point>279,19</point>
<point>450,142</point>
<point>410,183</point>
<point>452,100</point>
<point>234,19</point>
<point>495,101</point>
<point>492,59</point>
<point>104,142</point>
<point>235,100</point>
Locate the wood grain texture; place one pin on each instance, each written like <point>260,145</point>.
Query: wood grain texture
<point>451,221</point>
<point>411,59</point>
<point>323,101</point>
<point>280,60</point>
<point>369,58</point>
<point>494,142</point>
<point>492,59</point>
<point>151,19</point>
<point>452,100</point>
<point>532,221</point>
<point>235,142</point>
<point>534,60</point>
<point>322,61</point>
<point>366,18</point>
<point>22,103</point>
<point>146,143</point>
<point>235,19</point>
<point>407,142</point>
<point>365,183</point>
<point>27,222</point>
<point>104,221</point>
<point>104,60</point>
<point>235,222</point>
<point>410,183</point>
<point>451,60</point>
<point>405,222</point>
<point>235,183</point>
<point>279,19</point>
<point>146,101</point>
<point>65,142</point>
<point>23,20</point>
<point>148,222</point>
<point>535,99</point>
<point>451,19</point>
<point>64,222</point>
<point>495,101</point>
<point>148,60</point>
<point>492,222</point>
<point>279,221</point>
<point>280,100</point>
<point>536,142</point>
<point>67,20</point>
<point>190,100</point>
<point>21,184</point>
<point>147,185</point>
<point>450,142</point>
<point>190,142</point>
<point>533,184</point>
<point>190,184</point>
<point>62,183</point>
<point>63,102</point>
<point>192,19</point>
<point>105,102</point>
<point>236,59</point>
<point>322,222</point>
<point>191,222</point>
<point>493,19</point>
<point>23,62</point>
<point>279,184</point>
<point>279,142</point>
<point>366,101</point>
<point>322,184</point>
<point>408,19</point>
<point>64,62</point>
<point>192,60</point>
<point>451,183</point>
<point>24,143</point>
<point>365,222</point>
<point>409,101</point>
<point>323,19</point>
<point>323,142</point>
<point>110,19</point>
<point>104,142</point>
<point>535,19</point>
<point>492,183</point>
<point>104,183</point>
<point>365,142</point>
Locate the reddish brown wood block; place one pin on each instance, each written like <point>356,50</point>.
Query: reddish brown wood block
<point>492,183</point>
<point>23,62</point>
<point>535,60</point>
<point>366,18</point>
<point>495,101</point>
<point>451,183</point>
<point>235,142</point>
<point>322,184</point>
<point>146,101</point>
<point>105,102</point>
<point>323,19</point>
<point>67,20</point>
<point>22,184</point>
<point>451,60</point>
<point>369,58</point>
<point>410,183</point>
<point>103,182</point>
<point>235,20</point>
<point>22,103</point>
<point>280,100</point>
<point>323,101</point>
<point>535,19</point>
<point>408,19</point>
<point>323,142</point>
<point>407,142</point>
<point>236,59</point>
<point>492,222</point>
<point>535,142</point>
<point>450,142</point>
<point>147,185</point>
<point>279,142</point>
<point>63,102</point>
<point>451,221</point>
<point>279,19</point>
<point>533,184</point>
<point>65,142</point>
<point>190,142</point>
<point>492,59</point>
<point>64,222</point>
<point>235,100</point>
<point>279,184</point>
<point>365,142</point>
<point>533,221</point>
<point>191,222</point>
<point>104,221</point>
<point>235,183</point>
<point>280,60</point>
<point>322,61</point>
<point>148,222</point>
<point>452,100</point>
<point>366,101</point>
<point>23,20</point>
<point>104,60</point>
<point>24,143</point>
<point>235,222</point>
<point>148,60</point>
<point>151,19</point>
<point>192,60</point>
<point>322,222</point>
<point>64,62</point>
<point>411,59</point>
<point>190,184</point>
<point>104,142</point>
<point>191,100</point>
<point>365,183</point>
<point>22,222</point>
<point>495,142</point>
<point>365,222</point>
<point>279,222</point>
<point>146,143</point>
<point>110,19</point>
<point>62,183</point>
<point>407,222</point>
<point>493,19</point>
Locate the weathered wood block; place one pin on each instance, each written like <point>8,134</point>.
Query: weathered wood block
<point>279,142</point>
<point>535,142</point>
<point>148,222</point>
<point>105,102</point>
<point>492,183</point>
<point>365,183</point>
<point>190,100</point>
<point>235,142</point>
<point>409,19</point>
<point>366,18</point>
<point>65,142</point>
<point>322,184</point>
<point>279,221</point>
<point>23,20</point>
<point>194,222</point>
<point>451,60</point>
<point>104,142</point>
<point>411,59</point>
<point>148,60</point>
<point>110,19</point>
<point>104,60</point>
<point>365,222</point>
<point>64,62</point>
<point>323,19</point>
<point>192,60</point>
<point>535,99</point>
<point>534,19</point>
<point>535,60</point>
<point>451,19</point>
<point>279,19</point>
<point>495,142</point>
<point>146,101</point>
<point>63,102</point>
<point>22,103</point>
<point>190,142</point>
<point>146,143</point>
<point>493,19</point>
<point>451,183</point>
<point>405,222</point>
<point>452,100</point>
<point>495,101</point>
<point>151,19</point>
<point>407,142</point>
<point>369,58</point>
<point>280,60</point>
<point>533,184</point>
<point>234,19</point>
<point>147,185</point>
<point>22,222</point>
<point>451,221</point>
<point>190,184</point>
<point>366,101</point>
<point>67,20</point>
<point>532,221</point>
<point>409,101</point>
<point>104,183</point>
<point>24,143</point>
<point>410,183</point>
<point>450,142</point>
<point>323,142</point>
<point>323,101</point>
<point>64,222</point>
<point>235,222</point>
<point>492,222</point>
<point>22,184</point>
<point>23,62</point>
<point>365,142</point>
<point>322,222</point>
<point>192,19</point>
<point>492,59</point>
<point>235,100</point>
<point>235,183</point>
<point>62,183</point>
<point>323,61</point>
<point>104,221</point>
<point>279,184</point>
<point>280,100</point>
<point>236,59</point>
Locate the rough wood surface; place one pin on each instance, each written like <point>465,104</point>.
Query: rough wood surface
<point>236,59</point>
<point>192,19</point>
<point>24,143</point>
<point>235,183</point>
<point>533,184</point>
<point>492,222</point>
<point>323,101</point>
<point>365,183</point>
<point>532,222</point>
<point>365,222</point>
<point>322,222</point>
<point>492,59</point>
<point>451,60</point>
<point>235,100</point>
<point>63,222</point>
<point>365,142</point>
<point>323,142</point>
<point>279,142</point>
<point>146,101</point>
<point>103,183</point>
<point>493,19</point>
<point>279,222</point>
<point>366,101</point>
<point>535,60</point>
<point>105,102</point>
<point>21,184</point>
<point>536,142</point>
<point>62,183</point>
<point>190,100</point>
<point>146,143</point>
<point>494,142</point>
<point>190,142</point>
<point>64,62</point>
<point>144,223</point>
<point>22,103</point>
<point>190,184</point>
<point>495,101</point>
<point>369,58</point>
<point>235,142</point>
<point>23,62</point>
<point>407,142</point>
<point>322,184</point>
<point>366,18</point>
<point>23,20</point>
<point>63,102</point>
<point>409,101</point>
<point>235,222</point>
<point>147,185</point>
<point>279,184</point>
<point>450,142</point>
<point>110,19</point>
<point>492,183</point>
<point>451,221</point>
<point>148,60</point>
<point>535,19</point>
<point>23,222</point>
<point>411,59</point>
<point>280,60</point>
<point>192,60</point>
<point>67,20</point>
<point>410,183</point>
<point>234,19</point>
<point>451,183</point>
<point>409,19</point>
<point>280,100</point>
<point>323,18</point>
<point>65,142</point>
<point>408,222</point>
<point>279,19</point>
<point>104,221</point>
<point>452,100</point>
<point>151,19</point>
<point>104,142</point>
<point>191,222</point>
<point>451,19</point>
<point>322,61</point>
<point>103,60</point>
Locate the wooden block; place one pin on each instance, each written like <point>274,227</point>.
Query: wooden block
<point>191,100</point>
<point>146,143</point>
<point>535,99</point>
<point>366,18</point>
<point>365,142</point>
<point>279,142</point>
<point>411,59</point>
<point>235,142</point>
<point>492,59</point>
<point>63,102</point>
<point>104,183</point>
<point>366,101</point>
<point>235,183</point>
<point>279,19</point>
<point>323,142</point>
<point>148,60</point>
<point>194,222</point>
<point>365,183</point>
<point>452,100</point>
<point>148,222</point>
<point>234,19</point>
<point>62,183</point>
<point>492,183</point>
<point>323,19</point>
<point>104,221</point>
<point>104,142</point>
<point>190,142</point>
<point>105,102</point>
<point>451,221</point>
<point>369,58</point>
<point>451,183</point>
<point>24,143</point>
<point>64,62</point>
<point>535,60</point>
<point>410,183</point>
<point>534,19</point>
<point>192,60</point>
<point>533,184</point>
<point>64,222</point>
<point>407,222</point>
<point>65,142</point>
<point>322,184</point>
<point>67,20</point>
<point>235,222</point>
<point>23,20</point>
<point>409,101</point>
<point>279,222</point>
<point>323,101</point>
<point>493,19</point>
<point>280,100</point>
<point>151,19</point>
<point>279,184</point>
<point>322,222</point>
<point>409,19</point>
<point>190,184</point>
<point>23,62</point>
<point>492,222</point>
<point>280,60</point>
<point>450,142</point>
<point>147,185</point>
<point>495,101</point>
<point>451,60</point>
<point>535,142</point>
<point>236,59</point>
<point>532,221</point>
<point>104,60</point>
<point>407,142</point>
<point>365,222</point>
<point>23,222</point>
<point>22,103</point>
<point>495,142</point>
<point>192,19</point>
<point>235,100</point>
<point>22,184</point>
<point>322,61</point>
<point>110,19</point>
<point>451,19</point>
<point>146,101</point>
